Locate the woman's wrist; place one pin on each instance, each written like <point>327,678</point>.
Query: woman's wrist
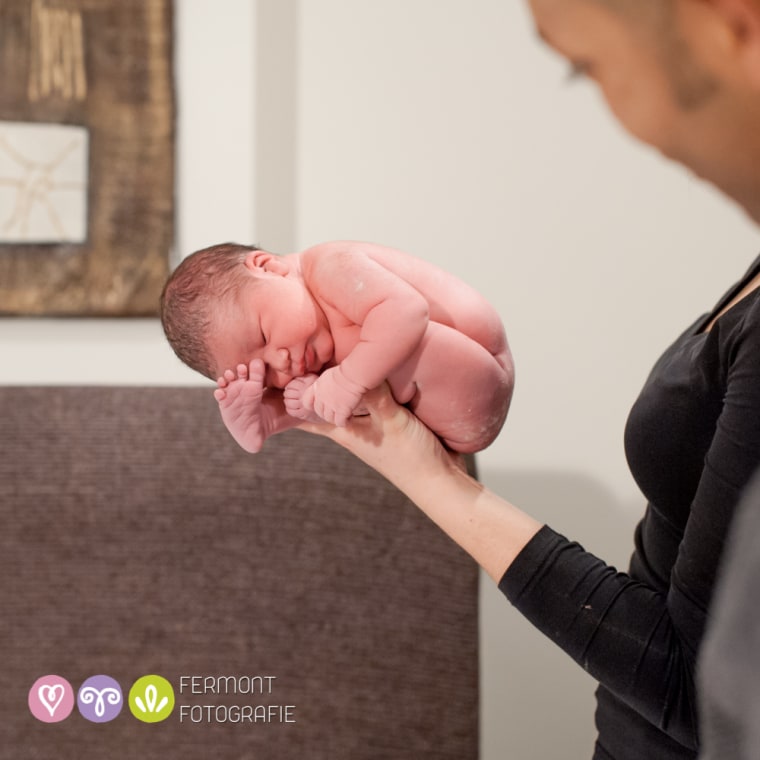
<point>489,528</point>
<point>396,444</point>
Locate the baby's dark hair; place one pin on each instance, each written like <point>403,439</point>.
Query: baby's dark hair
<point>190,295</point>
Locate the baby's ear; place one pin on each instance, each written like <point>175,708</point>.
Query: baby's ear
<point>267,262</point>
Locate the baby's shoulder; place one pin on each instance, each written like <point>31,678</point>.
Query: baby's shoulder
<point>327,259</point>
<point>333,250</point>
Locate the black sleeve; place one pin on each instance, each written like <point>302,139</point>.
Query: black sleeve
<point>616,628</point>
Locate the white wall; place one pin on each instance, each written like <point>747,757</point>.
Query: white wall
<point>442,127</point>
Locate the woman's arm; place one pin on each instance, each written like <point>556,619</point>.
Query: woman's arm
<point>396,444</point>
<point>639,641</point>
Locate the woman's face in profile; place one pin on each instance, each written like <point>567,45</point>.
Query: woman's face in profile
<point>656,67</point>
<point>604,46</point>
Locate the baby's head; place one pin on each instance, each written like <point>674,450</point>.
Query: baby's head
<point>192,295</point>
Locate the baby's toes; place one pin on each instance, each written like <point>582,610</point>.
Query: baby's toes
<point>304,382</point>
<point>294,406</point>
<point>257,371</point>
<point>292,401</point>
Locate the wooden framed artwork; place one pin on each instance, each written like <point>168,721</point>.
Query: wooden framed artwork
<point>87,118</point>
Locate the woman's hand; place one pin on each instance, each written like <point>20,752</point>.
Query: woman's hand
<point>396,444</point>
<point>390,439</point>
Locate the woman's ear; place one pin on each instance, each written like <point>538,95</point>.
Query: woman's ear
<point>266,262</point>
<point>742,20</point>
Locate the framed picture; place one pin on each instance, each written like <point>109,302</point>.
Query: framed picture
<point>87,119</point>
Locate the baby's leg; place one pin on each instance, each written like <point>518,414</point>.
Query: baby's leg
<point>476,318</point>
<point>460,390</point>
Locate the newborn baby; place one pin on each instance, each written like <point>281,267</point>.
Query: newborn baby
<point>303,336</point>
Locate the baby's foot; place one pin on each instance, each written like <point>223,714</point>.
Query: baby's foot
<point>293,397</point>
<point>239,395</point>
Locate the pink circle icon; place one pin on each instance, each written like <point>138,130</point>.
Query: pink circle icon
<point>51,699</point>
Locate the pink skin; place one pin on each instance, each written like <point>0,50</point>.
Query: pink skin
<point>330,397</point>
<point>272,317</point>
<point>251,412</point>
<point>359,314</point>
<point>299,403</point>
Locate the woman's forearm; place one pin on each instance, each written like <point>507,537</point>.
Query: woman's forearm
<point>396,444</point>
<point>491,530</point>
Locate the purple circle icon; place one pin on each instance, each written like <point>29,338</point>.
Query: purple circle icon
<point>51,699</point>
<point>100,699</point>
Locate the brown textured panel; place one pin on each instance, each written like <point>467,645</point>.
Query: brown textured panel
<point>105,65</point>
<point>137,538</point>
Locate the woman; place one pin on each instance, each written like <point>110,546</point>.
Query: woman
<point>683,76</point>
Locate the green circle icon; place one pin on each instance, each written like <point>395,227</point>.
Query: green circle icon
<point>151,699</point>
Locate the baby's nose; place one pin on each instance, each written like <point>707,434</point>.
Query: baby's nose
<point>279,359</point>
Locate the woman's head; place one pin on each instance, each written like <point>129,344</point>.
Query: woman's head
<point>680,75</point>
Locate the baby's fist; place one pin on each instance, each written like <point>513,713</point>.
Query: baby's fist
<point>333,396</point>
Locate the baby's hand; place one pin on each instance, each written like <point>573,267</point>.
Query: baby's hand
<point>239,395</point>
<point>333,396</point>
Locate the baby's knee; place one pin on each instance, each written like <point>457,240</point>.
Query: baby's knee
<point>472,436</point>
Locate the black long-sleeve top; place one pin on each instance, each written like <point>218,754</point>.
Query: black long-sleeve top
<point>692,441</point>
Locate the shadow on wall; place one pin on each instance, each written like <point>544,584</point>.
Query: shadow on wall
<point>528,684</point>
<point>576,505</point>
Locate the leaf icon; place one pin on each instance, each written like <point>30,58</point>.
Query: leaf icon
<point>151,696</point>
<point>152,699</point>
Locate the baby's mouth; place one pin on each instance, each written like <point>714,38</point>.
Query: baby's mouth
<point>310,359</point>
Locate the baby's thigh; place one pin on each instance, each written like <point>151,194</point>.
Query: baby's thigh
<point>456,387</point>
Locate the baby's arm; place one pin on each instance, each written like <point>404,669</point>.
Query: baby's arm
<point>391,314</point>
<point>251,412</point>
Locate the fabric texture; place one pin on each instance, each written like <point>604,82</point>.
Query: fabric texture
<point>137,538</point>
<point>693,443</point>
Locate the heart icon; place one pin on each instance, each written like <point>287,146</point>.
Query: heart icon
<point>51,699</point>
<point>51,696</point>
